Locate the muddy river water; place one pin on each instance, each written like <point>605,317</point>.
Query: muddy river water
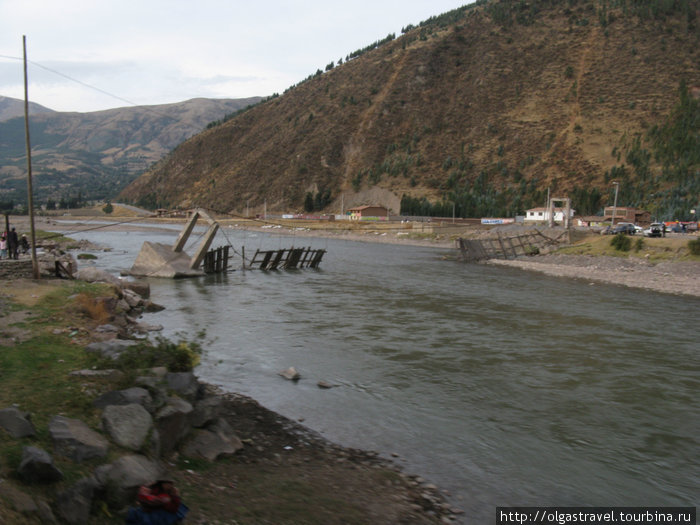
<point>503,387</point>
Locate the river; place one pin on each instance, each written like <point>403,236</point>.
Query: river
<point>501,386</point>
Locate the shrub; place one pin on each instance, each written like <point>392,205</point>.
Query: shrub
<point>180,356</point>
<point>621,242</point>
<point>639,245</point>
<point>694,246</point>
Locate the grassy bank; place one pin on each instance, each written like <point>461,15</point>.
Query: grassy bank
<point>653,249</point>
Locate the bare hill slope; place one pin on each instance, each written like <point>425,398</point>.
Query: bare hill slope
<point>489,106</point>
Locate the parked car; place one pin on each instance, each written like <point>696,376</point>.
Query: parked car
<point>624,227</point>
<point>654,230</point>
<point>638,229</point>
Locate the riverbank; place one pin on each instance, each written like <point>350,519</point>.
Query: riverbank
<point>677,277</point>
<point>284,473</point>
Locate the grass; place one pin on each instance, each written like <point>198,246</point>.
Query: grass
<point>34,373</point>
<point>652,249</point>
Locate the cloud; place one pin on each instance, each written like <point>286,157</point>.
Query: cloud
<point>162,51</point>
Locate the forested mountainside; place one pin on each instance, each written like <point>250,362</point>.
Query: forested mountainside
<point>490,107</point>
<point>84,156</point>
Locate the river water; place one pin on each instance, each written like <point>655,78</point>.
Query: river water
<point>501,386</point>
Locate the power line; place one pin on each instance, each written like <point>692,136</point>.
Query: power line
<point>99,90</point>
<point>94,88</point>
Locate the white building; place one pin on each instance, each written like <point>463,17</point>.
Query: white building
<point>542,214</point>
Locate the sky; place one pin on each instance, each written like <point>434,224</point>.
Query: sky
<point>90,55</point>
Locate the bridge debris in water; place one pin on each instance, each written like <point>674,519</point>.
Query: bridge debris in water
<point>286,259</point>
<point>473,250</point>
<point>160,260</point>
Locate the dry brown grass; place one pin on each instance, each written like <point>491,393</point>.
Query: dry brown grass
<point>93,308</point>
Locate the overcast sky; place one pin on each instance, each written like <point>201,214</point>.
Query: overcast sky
<point>163,51</point>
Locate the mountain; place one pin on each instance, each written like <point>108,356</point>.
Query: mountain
<point>491,107</point>
<point>11,108</point>
<point>94,155</point>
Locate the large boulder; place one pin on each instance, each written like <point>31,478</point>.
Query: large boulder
<point>16,423</point>
<point>140,287</point>
<point>17,500</point>
<point>184,383</point>
<point>122,479</point>
<point>172,423</point>
<point>128,396</point>
<point>206,411</point>
<point>37,467</point>
<point>216,441</point>
<point>75,440</point>
<point>127,425</point>
<point>133,299</point>
<point>73,505</point>
<point>93,275</point>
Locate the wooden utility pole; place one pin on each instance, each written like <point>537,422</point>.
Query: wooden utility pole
<point>30,193</point>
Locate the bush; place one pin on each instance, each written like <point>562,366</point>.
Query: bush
<point>621,242</point>
<point>694,247</point>
<point>639,245</point>
<point>180,356</point>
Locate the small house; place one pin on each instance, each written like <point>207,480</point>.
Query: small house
<point>365,212</point>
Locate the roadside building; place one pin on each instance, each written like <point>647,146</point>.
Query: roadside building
<point>627,214</point>
<point>368,212</point>
<point>542,214</point>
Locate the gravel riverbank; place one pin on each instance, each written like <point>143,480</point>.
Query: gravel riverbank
<point>678,277</point>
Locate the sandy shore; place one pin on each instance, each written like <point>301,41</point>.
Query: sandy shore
<point>674,277</point>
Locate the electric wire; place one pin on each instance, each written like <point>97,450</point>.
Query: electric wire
<point>148,108</point>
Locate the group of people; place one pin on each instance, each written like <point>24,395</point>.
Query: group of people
<point>11,245</point>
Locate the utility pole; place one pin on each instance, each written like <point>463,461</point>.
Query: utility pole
<point>612,222</point>
<point>30,196</point>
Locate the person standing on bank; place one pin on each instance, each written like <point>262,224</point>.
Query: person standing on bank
<point>3,247</point>
<point>13,244</point>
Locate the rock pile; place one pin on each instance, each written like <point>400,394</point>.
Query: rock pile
<point>129,302</point>
<point>162,414</point>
